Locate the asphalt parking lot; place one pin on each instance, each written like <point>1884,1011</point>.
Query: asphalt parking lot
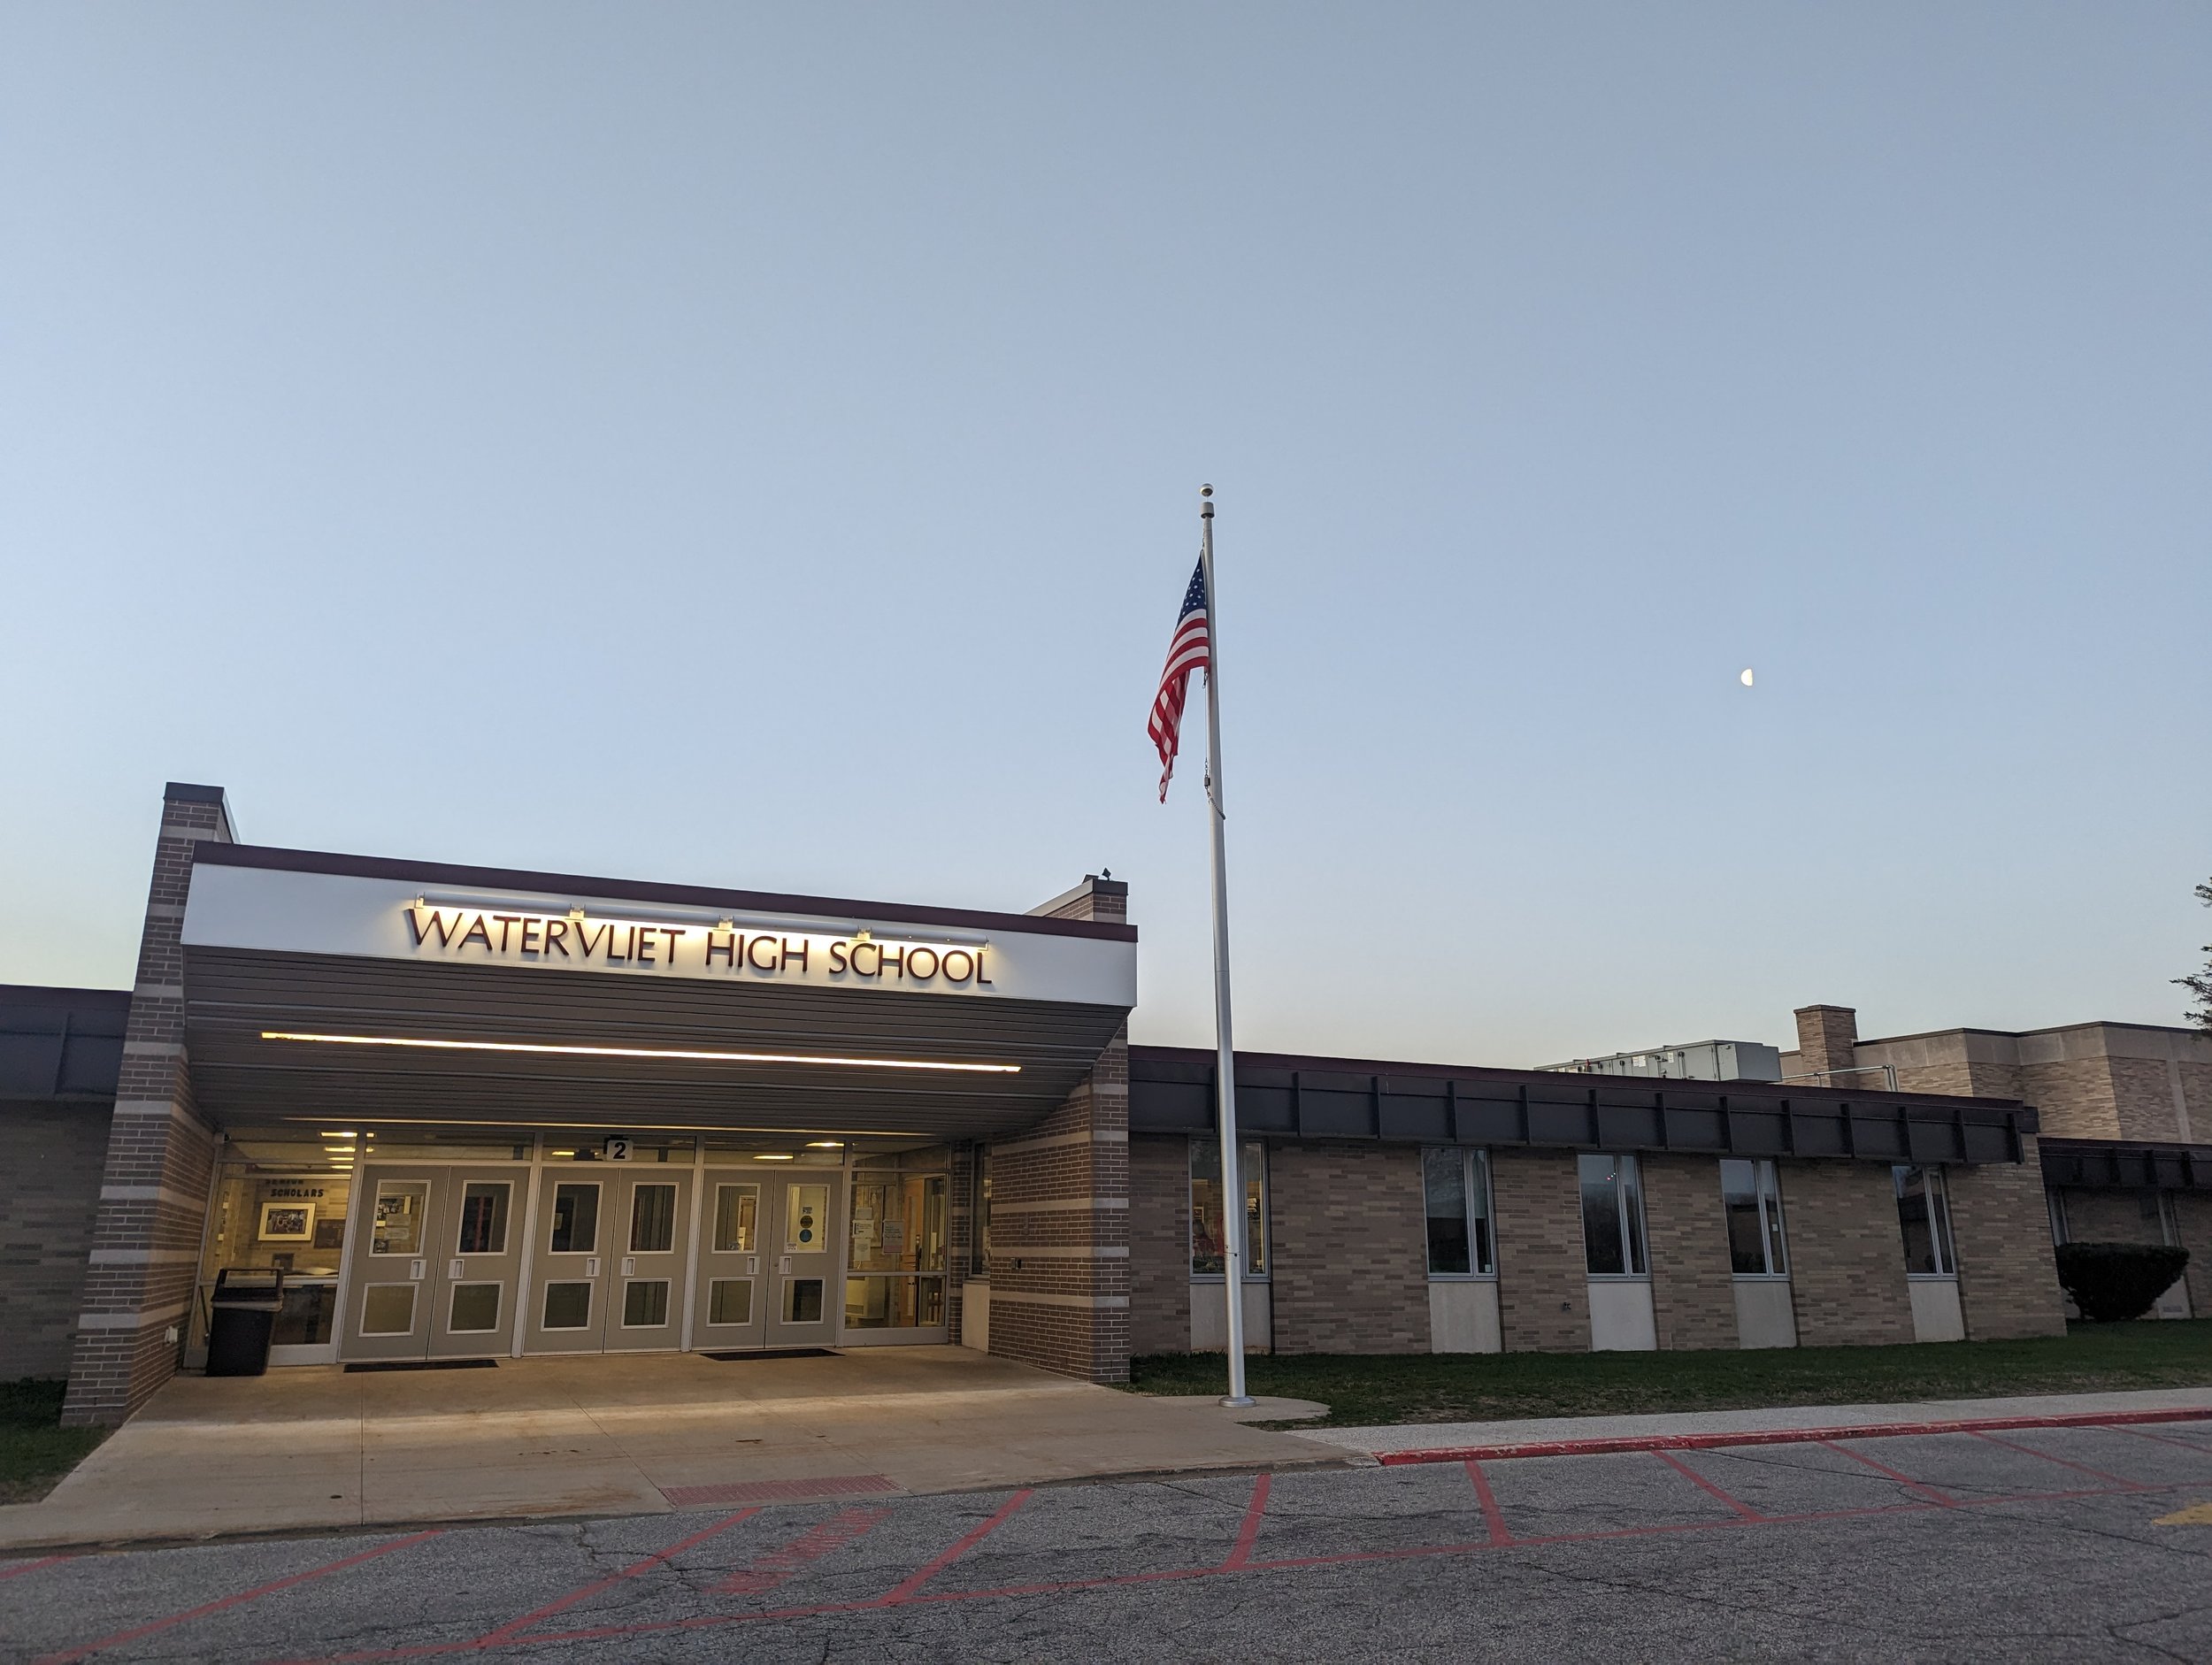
<point>2041,1544</point>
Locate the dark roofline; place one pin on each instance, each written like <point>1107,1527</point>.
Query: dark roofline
<point>223,855</point>
<point>114,999</point>
<point>1571,1078</point>
<point>2125,1163</point>
<point>2022,1034</point>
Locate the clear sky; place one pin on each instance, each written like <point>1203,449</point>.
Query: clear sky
<point>759,446</point>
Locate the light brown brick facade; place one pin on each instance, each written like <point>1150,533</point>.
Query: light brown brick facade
<point>1846,1255</point>
<point>1159,1244</point>
<point>2193,1221</point>
<point>2002,1223</point>
<point>1350,1249</point>
<point>1826,1036</point>
<point>1059,1260</point>
<point>160,1158</point>
<point>1543,1278</point>
<point>1693,1283</point>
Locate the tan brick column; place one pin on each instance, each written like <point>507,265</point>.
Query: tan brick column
<point>1693,1280</point>
<point>1159,1244</point>
<point>1060,1209</point>
<point>2001,1227</point>
<point>161,1154</point>
<point>1827,1040</point>
<point>1846,1254</point>
<point>1543,1277</point>
<point>1350,1239</point>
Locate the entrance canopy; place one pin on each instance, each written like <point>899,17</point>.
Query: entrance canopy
<point>321,985</point>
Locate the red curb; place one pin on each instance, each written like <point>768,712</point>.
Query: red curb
<point>1784,1436</point>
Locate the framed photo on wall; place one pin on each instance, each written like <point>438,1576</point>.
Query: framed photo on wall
<point>287,1222</point>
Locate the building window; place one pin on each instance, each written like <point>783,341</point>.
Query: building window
<point>1751,1197</point>
<point>1612,1217</point>
<point>2056,1202</point>
<point>980,1248</point>
<point>1455,1184</point>
<point>1206,1239</point>
<point>1924,1216</point>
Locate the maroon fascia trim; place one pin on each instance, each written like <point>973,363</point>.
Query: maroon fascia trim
<point>223,855</point>
<point>1204,1057</point>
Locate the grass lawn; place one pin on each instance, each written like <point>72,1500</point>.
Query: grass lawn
<point>1433,1387</point>
<point>35,1450</point>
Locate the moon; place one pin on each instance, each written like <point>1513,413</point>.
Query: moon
<point>1745,678</point>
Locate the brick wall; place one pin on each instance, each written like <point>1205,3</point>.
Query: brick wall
<point>160,1157</point>
<point>52,1157</point>
<point>1159,1244</point>
<point>1060,1211</point>
<point>1543,1278</point>
<point>1693,1282</point>
<point>1827,1037</point>
<point>2142,1098</point>
<point>2075,1097</point>
<point>2112,1216</point>
<point>1350,1244</point>
<point>1846,1254</point>
<point>2192,1223</point>
<point>2000,1223</point>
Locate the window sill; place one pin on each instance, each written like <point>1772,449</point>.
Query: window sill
<point>1463,1277</point>
<point>1223,1278</point>
<point>1619,1277</point>
<point>1931,1278</point>
<point>1761,1277</point>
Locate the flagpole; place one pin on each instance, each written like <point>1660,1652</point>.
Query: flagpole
<point>1233,1219</point>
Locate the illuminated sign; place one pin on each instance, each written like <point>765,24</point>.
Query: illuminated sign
<point>586,941</point>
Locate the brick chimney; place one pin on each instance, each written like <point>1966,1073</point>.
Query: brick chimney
<point>1827,1040</point>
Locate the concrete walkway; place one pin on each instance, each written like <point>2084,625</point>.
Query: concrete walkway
<point>1542,1430</point>
<point>302,1449</point>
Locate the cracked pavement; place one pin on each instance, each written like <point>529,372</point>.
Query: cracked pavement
<point>2045,1544</point>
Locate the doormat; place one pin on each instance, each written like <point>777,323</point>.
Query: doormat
<point>422,1364</point>
<point>773,1353</point>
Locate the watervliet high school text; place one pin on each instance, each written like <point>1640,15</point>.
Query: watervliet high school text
<point>480,1113</point>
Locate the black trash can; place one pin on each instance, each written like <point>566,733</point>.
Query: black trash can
<point>240,1317</point>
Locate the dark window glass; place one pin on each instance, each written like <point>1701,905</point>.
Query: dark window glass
<point>1444,1181</point>
<point>1739,1200</point>
<point>1604,1249</point>
<point>567,1306</point>
<point>575,1219</point>
<point>652,1220</point>
<point>645,1303</point>
<point>484,1217</point>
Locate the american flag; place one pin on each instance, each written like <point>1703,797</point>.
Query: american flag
<point>1187,650</point>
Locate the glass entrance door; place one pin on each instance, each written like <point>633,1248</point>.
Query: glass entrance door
<point>388,1309</point>
<point>479,1255</point>
<point>802,1255</point>
<point>732,1305</point>
<point>651,1241</point>
<point>567,1310</point>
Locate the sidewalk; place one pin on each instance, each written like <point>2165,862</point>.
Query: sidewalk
<point>1547,1435</point>
<point>318,1448</point>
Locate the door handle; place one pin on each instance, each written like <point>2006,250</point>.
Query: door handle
<point>414,1271</point>
<point>456,1270</point>
<point>629,1265</point>
<point>783,1264</point>
<point>752,1265</point>
<point>591,1266</point>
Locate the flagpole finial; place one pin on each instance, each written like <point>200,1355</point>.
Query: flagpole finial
<point>1206,501</point>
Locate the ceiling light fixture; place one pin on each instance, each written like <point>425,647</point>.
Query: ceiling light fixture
<point>680,1056</point>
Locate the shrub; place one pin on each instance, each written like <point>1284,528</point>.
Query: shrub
<point>2113,1282</point>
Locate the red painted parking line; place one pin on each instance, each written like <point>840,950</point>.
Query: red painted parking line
<point>491,1639</point>
<point>1493,1516</point>
<point>1743,1509</point>
<point>911,1587</point>
<point>1781,1436</point>
<point>1248,1534</point>
<point>1932,1494</point>
<point>2013,1444</point>
<point>33,1566</point>
<point>2164,1440</point>
<point>206,1608</point>
<point>781,1566</point>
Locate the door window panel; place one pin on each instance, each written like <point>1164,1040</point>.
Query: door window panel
<point>736,1219</point>
<point>806,1226</point>
<point>474,1310</point>
<point>484,1217</point>
<point>897,1223</point>
<point>803,1300</point>
<point>400,1206</point>
<point>388,1309</point>
<point>567,1306</point>
<point>645,1303</point>
<point>895,1303</point>
<point>575,1219</point>
<point>730,1300</point>
<point>652,1219</point>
